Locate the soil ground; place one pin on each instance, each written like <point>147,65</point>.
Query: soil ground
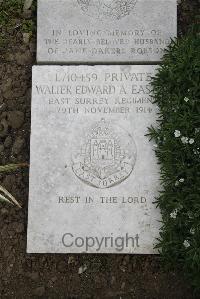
<point>57,276</point>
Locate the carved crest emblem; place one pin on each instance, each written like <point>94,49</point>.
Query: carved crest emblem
<point>107,9</point>
<point>106,156</point>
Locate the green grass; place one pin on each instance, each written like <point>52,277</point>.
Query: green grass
<point>10,9</point>
<point>5,196</point>
<point>176,91</point>
<point>12,18</point>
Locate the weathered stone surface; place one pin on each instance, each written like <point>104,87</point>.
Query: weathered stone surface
<point>93,171</point>
<point>75,31</point>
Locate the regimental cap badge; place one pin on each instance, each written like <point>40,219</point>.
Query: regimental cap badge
<point>106,156</point>
<point>107,9</point>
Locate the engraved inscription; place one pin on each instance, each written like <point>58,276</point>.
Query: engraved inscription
<point>107,9</point>
<point>105,31</point>
<point>106,156</point>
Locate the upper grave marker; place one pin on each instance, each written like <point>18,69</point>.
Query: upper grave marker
<point>93,173</point>
<point>99,31</point>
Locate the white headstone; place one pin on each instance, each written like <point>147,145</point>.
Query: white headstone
<point>93,173</point>
<point>79,31</point>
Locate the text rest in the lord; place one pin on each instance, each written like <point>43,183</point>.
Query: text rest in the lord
<point>76,199</point>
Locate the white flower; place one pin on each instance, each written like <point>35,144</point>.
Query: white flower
<point>197,130</point>
<point>186,244</point>
<point>195,152</point>
<point>192,231</point>
<point>176,183</point>
<point>190,215</point>
<point>177,133</point>
<point>155,145</point>
<point>174,214</point>
<point>186,99</point>
<point>181,180</point>
<point>184,140</point>
<point>191,141</point>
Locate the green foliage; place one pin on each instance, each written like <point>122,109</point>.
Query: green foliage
<point>176,91</point>
<point>12,167</point>
<point>28,26</point>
